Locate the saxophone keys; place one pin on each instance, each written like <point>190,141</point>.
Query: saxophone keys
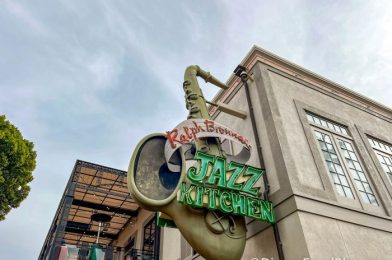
<point>192,96</point>
<point>195,109</point>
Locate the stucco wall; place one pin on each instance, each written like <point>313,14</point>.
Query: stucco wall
<point>285,91</point>
<point>311,221</point>
<point>261,245</point>
<point>340,236</point>
<point>326,237</point>
<point>244,127</point>
<point>170,245</point>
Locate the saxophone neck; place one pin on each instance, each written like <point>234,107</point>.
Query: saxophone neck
<point>196,104</point>
<point>194,98</point>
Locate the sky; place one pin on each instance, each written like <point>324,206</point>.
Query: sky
<point>88,79</point>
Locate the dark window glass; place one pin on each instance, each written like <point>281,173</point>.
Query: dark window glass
<point>334,166</point>
<point>151,240</point>
<point>327,124</point>
<point>361,181</point>
<point>384,155</point>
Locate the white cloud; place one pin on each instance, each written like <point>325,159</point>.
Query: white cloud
<point>25,15</point>
<point>82,79</point>
<point>104,70</point>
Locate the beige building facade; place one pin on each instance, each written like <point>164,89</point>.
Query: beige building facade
<point>328,157</point>
<point>327,153</point>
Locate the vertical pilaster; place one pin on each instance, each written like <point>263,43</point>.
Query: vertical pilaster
<point>62,221</point>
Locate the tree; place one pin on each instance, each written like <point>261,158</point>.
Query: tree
<point>17,162</point>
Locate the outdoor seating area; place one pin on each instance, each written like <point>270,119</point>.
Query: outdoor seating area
<point>94,209</point>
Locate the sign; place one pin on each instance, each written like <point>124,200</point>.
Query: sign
<point>229,188</point>
<point>162,177</point>
<point>190,130</point>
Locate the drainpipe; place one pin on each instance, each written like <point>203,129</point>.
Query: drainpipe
<point>240,72</point>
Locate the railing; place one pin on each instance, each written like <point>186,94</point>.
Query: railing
<point>137,254</point>
<point>83,252</point>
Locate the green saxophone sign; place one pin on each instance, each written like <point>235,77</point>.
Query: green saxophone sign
<point>194,184</point>
<point>215,185</point>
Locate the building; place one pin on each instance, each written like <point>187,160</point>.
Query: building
<point>327,152</point>
<point>93,189</point>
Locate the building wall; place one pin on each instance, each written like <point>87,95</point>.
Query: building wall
<point>342,239</point>
<point>332,233</point>
<point>285,92</point>
<point>170,246</point>
<point>301,187</point>
<point>261,245</point>
<point>313,220</point>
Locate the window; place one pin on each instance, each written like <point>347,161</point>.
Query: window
<point>129,247</point>
<point>327,124</point>
<point>357,173</point>
<point>384,155</point>
<point>334,166</point>
<point>342,161</point>
<point>151,239</point>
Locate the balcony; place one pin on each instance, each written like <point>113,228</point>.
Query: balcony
<point>137,254</point>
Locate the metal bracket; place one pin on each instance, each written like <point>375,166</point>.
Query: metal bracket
<point>228,110</point>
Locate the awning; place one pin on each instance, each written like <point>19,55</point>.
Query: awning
<point>92,189</point>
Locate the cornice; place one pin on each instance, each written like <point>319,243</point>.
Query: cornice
<point>257,54</point>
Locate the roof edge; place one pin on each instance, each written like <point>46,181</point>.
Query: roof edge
<point>258,54</point>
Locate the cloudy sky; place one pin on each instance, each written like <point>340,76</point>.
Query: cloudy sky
<point>87,79</point>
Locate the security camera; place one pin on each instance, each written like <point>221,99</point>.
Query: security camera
<point>240,71</point>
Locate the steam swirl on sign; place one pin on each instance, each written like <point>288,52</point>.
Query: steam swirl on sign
<point>184,134</point>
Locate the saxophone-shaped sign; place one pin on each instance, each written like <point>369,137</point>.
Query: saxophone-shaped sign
<point>213,234</point>
<point>186,175</point>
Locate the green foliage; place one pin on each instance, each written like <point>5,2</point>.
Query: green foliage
<point>17,162</point>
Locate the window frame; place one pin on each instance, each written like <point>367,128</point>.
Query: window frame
<point>329,191</point>
<point>358,201</point>
<point>128,248</point>
<point>355,202</point>
<point>379,152</point>
<point>380,178</point>
<point>156,244</point>
<point>358,172</point>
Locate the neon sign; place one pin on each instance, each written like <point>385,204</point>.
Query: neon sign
<point>228,188</point>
